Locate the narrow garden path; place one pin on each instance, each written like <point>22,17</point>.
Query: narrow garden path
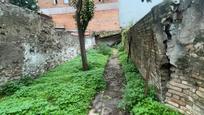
<point>105,103</point>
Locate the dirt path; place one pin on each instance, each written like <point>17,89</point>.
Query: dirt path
<point>105,103</point>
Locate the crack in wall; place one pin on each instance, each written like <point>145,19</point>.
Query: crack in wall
<point>173,17</point>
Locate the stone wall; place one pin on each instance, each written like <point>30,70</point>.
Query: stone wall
<point>29,44</point>
<point>172,59</point>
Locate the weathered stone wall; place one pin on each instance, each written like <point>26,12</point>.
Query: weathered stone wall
<point>29,44</point>
<point>175,62</point>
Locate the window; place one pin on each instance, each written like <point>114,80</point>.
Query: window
<point>55,1</point>
<point>66,1</point>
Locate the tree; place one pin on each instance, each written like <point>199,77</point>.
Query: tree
<point>84,13</point>
<point>30,4</point>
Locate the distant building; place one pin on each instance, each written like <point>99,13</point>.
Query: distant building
<point>106,17</point>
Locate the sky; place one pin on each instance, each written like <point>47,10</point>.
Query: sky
<point>133,10</point>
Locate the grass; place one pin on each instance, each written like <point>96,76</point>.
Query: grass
<point>134,101</point>
<point>65,90</point>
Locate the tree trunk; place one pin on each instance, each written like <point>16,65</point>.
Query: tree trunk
<point>83,51</point>
<point>81,36</point>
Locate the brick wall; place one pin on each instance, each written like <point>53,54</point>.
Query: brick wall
<point>144,43</point>
<point>108,22</point>
<point>176,65</point>
<point>50,3</point>
<point>29,44</point>
<point>106,17</point>
<point>105,20</point>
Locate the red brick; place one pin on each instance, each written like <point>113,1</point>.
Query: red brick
<point>103,20</point>
<point>106,20</point>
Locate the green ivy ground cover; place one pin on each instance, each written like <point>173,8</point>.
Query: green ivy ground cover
<point>133,99</point>
<point>65,90</point>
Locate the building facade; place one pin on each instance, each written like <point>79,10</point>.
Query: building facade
<point>106,17</point>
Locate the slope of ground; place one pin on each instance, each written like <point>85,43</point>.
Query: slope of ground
<point>65,90</point>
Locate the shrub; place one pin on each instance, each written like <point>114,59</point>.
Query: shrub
<point>104,49</point>
<point>12,86</point>
<point>124,35</point>
<point>120,47</point>
<point>9,88</point>
<point>151,107</point>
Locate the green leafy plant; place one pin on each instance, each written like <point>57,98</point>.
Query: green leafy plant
<point>12,86</point>
<point>134,88</point>
<point>65,90</point>
<point>9,88</point>
<point>150,107</point>
<point>104,49</point>
<point>134,100</point>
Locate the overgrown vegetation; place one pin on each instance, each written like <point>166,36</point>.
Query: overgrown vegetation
<point>151,107</point>
<point>124,35</point>
<point>134,99</point>
<point>12,86</point>
<point>104,49</point>
<point>65,90</point>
